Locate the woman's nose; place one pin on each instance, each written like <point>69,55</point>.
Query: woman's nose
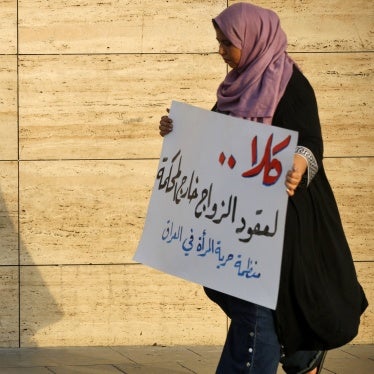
<point>221,50</point>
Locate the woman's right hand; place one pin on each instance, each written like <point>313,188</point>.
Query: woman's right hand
<point>166,125</point>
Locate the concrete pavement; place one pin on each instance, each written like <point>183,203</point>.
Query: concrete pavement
<point>350,359</point>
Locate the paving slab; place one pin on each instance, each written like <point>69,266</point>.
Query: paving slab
<point>59,356</point>
<point>85,369</point>
<point>356,359</point>
<point>25,370</point>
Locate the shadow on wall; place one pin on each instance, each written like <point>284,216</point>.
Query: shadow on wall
<point>26,305</point>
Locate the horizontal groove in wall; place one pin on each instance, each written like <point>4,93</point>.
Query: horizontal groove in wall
<point>146,159</point>
<point>169,53</point>
<point>78,264</point>
<point>117,264</point>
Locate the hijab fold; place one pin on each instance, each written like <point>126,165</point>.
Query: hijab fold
<point>254,88</point>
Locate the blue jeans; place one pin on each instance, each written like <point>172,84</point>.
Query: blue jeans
<point>252,344</point>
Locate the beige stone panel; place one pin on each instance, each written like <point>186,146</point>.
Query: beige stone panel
<point>8,26</point>
<point>115,305</point>
<point>8,213</point>
<point>9,331</point>
<point>320,25</point>
<point>128,305</point>
<point>352,183</point>
<point>8,107</point>
<point>365,275</point>
<point>140,26</point>
<point>79,212</point>
<point>343,84</point>
<point>107,106</point>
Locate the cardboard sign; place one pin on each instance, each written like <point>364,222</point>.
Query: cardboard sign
<point>217,211</point>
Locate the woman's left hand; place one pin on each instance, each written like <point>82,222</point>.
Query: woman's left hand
<point>294,176</point>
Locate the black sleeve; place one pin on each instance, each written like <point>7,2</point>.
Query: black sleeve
<point>298,111</point>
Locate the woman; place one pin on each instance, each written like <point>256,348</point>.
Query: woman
<point>320,300</point>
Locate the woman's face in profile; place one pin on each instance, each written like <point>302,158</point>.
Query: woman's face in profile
<point>230,54</point>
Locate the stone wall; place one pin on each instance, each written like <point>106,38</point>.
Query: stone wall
<point>83,85</point>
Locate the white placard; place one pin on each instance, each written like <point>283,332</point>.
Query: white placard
<point>217,211</point>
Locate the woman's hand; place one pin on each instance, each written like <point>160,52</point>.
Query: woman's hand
<point>166,125</point>
<point>294,176</point>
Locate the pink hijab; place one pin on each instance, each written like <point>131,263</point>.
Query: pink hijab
<point>254,89</point>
